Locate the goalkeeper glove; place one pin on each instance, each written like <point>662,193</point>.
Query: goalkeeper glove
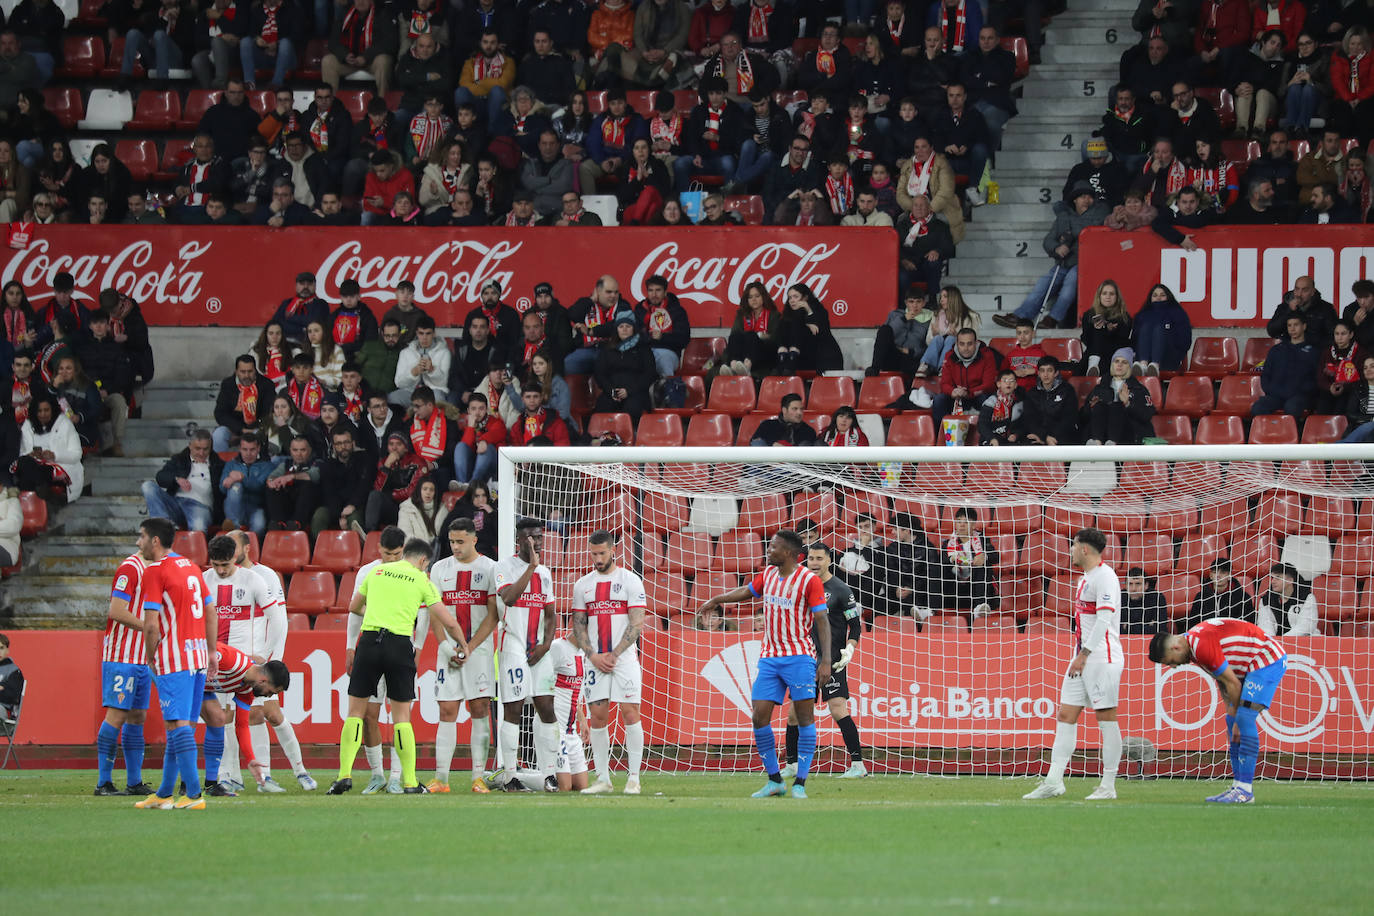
<point>845,655</point>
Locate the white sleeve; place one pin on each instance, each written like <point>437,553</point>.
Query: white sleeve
<point>1307,619</point>
<point>637,596</point>
<point>355,628</point>
<point>441,357</point>
<point>1107,618</point>
<point>578,602</point>
<point>275,612</point>
<point>417,639</point>
<point>404,363</point>
<point>1264,619</point>
<point>26,439</point>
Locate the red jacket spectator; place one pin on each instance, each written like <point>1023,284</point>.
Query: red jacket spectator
<point>546,423</point>
<point>386,189</point>
<point>1292,14</point>
<point>401,479</point>
<point>709,23</point>
<point>978,374</point>
<point>1221,24</point>
<point>492,432</point>
<point>1018,359</point>
<point>1340,78</point>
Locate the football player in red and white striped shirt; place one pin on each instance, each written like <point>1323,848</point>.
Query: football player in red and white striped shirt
<point>793,597</point>
<point>1248,665</point>
<point>244,678</point>
<point>126,682</point>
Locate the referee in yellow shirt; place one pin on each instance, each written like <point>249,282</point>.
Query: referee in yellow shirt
<point>388,601</point>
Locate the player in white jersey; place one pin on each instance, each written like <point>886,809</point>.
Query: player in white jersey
<point>524,588</point>
<point>266,710</point>
<point>467,583</point>
<point>1094,675</point>
<point>608,615</point>
<point>569,670</point>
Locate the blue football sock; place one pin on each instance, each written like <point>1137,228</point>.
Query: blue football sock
<point>105,740</point>
<point>767,744</point>
<point>806,749</point>
<point>169,768</point>
<point>214,750</point>
<point>131,737</point>
<point>1248,753</point>
<point>186,759</point>
<point>1231,746</point>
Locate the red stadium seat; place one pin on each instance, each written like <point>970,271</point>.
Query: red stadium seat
<point>747,425</point>
<point>1155,388</point>
<point>1237,394</point>
<point>879,391</point>
<point>713,429</point>
<point>688,552</point>
<point>911,429</point>
<point>642,101</point>
<point>1215,430</point>
<point>140,156</point>
<point>286,551</point>
<point>35,512</point>
<point>65,104</point>
<point>1225,518</point>
<point>82,56</point>
<point>330,622</point>
<point>667,594</point>
<point>1152,552</point>
<point>997,478</point>
<point>198,101</point>
<point>354,102</point>
<point>192,546</point>
<point>1198,551</point>
<point>1353,555</point>
<point>583,401</point>
<point>1323,428</point>
<point>1252,553</point>
<point>831,391</point>
<point>709,584</point>
<point>175,154</point>
<point>371,547</point>
<point>1068,350</point>
<point>155,110</point>
<point>1059,594</point>
<point>732,394</point>
<point>820,508</point>
<point>1215,356</point>
<point>1019,50</point>
<point>1275,429</point>
<point>1122,516</point>
<point>700,351</point>
<point>336,552</point>
<point>1083,385</point>
<point>694,401</point>
<point>1279,513</point>
<point>1041,478</point>
<point>88,15</point>
<point>1256,348</point>
<point>1224,104</point>
<point>1337,597</point>
<point>115,58</point>
<point>345,595</point>
<point>311,592</point>
<point>660,429</point>
<point>1330,516</point>
<point>1065,523</point>
<point>804,46</point>
<point>1143,477</point>
<point>1043,553</point>
<point>748,206</point>
<point>1190,395</point>
<point>262,101</point>
<point>664,512</point>
<point>784,98</point>
<point>738,552</point>
<point>618,423</point>
<point>1240,151</point>
<point>309,69</point>
<point>297,621</point>
<point>1178,592</point>
<point>772,389</point>
<point>763,514</point>
<point>1016,519</point>
<point>1172,519</point>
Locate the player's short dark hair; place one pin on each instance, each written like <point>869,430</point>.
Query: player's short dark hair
<point>967,512</point>
<point>222,549</point>
<point>791,539</point>
<point>601,536</point>
<point>1093,537</point>
<point>393,538</point>
<point>528,524</point>
<point>279,674</point>
<point>416,547</point>
<point>464,525</point>
<point>1158,643</point>
<point>160,529</point>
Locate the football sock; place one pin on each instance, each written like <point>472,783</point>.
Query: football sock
<point>510,742</point>
<point>445,740</point>
<point>850,731</point>
<point>214,751</point>
<point>403,743</point>
<point>634,747</point>
<point>286,740</point>
<point>1111,752</point>
<point>806,749</point>
<point>601,753</point>
<point>1232,747</point>
<point>186,759</point>
<point>229,764</point>
<point>350,739</point>
<point>767,743</point>
<point>374,759</point>
<point>395,757</point>
<point>131,737</point>
<point>1065,738</point>
<point>478,741</point>
<point>169,770</point>
<point>262,747</point>
<point>546,746</point>
<point>791,743</point>
<point>1247,755</point>
<point>105,739</point>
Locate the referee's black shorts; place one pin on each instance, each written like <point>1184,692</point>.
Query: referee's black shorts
<point>837,686</point>
<point>381,653</point>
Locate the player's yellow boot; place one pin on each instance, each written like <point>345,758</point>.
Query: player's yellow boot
<point>479,786</point>
<point>154,803</point>
<point>437,787</point>
<point>191,804</point>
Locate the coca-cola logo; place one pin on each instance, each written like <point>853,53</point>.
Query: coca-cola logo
<point>454,271</point>
<point>134,270</point>
<point>721,280</point>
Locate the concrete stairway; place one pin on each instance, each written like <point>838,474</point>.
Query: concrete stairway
<point>1062,101</point>
<point>65,581</point>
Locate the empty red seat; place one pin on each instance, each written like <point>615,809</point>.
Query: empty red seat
<point>331,622</point>
<point>311,592</point>
<point>1240,151</point>
<point>1353,555</point>
<point>65,104</point>
<point>1218,430</point>
<point>198,101</point>
<point>993,477</point>
<point>1279,512</point>
<point>88,14</point>
<point>1322,428</point>
<point>1237,394</point>
<point>371,547</point>
<point>1256,349</point>
<point>1040,477</point>
<point>191,545</point>
<point>1173,428</point>
<point>1225,518</point>
<point>297,621</point>
<point>688,552</point>
<point>1337,597</point>
<point>1171,518</point>
<point>818,508</point>
<point>1015,518</point>
<point>1043,552</point>
<point>664,512</point>
<point>732,394</point>
<point>309,69</point>
<point>1223,103</point>
<point>879,391</point>
<point>1198,552</point>
<point>286,551</point>
<point>713,429</point>
<point>911,429</point>
<point>35,511</point>
<point>1124,516</point>
<point>115,58</point>
<point>1254,552</point>
<point>1190,395</point>
<point>772,389</point>
<point>1215,356</point>
<point>596,101</point>
<point>345,594</point>
<point>336,552</point>
<point>667,594</point>
<point>700,351</point>
<point>748,206</point>
<point>1065,522</point>
<point>174,155</point>
<point>618,423</point>
<point>155,110</point>
<point>661,429</point>
<point>1068,350</point>
<point>738,552</point>
<point>1020,50</point>
<point>82,56</point>
<point>354,102</point>
<point>140,156</point>
<point>764,514</point>
<point>1330,516</point>
<point>1143,477</point>
<point>1274,429</point>
<point>1153,553</point>
<point>829,392</point>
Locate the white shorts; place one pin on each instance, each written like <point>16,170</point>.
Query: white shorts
<point>474,680</point>
<point>623,685</point>
<point>227,699</point>
<point>1095,688</point>
<point>520,681</point>
<point>572,756</point>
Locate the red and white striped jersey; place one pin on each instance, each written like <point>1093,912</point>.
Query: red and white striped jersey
<point>607,599</point>
<point>244,604</point>
<point>789,608</point>
<point>233,666</point>
<point>1097,608</point>
<point>1226,641</point>
<point>175,590</point>
<point>523,622</point>
<point>465,588</point>
<point>124,644</point>
<point>569,667</point>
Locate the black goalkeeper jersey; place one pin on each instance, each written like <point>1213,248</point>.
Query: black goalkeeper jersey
<point>846,620</point>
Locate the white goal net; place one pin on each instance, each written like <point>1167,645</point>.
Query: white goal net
<point>960,559</point>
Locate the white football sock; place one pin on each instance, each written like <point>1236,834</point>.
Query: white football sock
<point>286,740</point>
<point>1065,738</point>
<point>510,746</point>
<point>229,767</point>
<point>546,746</point>
<point>262,747</point>
<point>395,757</point>
<point>1111,752</point>
<point>373,753</point>
<point>601,753</point>
<point>634,747</point>
<point>445,740</point>
<point>477,743</point>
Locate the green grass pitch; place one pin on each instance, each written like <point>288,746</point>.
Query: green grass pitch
<point>693,844</point>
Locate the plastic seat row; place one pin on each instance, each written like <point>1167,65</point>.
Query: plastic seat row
<point>1229,429</point>
<point>335,552</point>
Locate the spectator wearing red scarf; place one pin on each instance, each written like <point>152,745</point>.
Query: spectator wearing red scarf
<point>538,421</point>
<point>296,312</point>
<point>474,457</point>
<point>364,39</point>
<point>244,402</point>
<point>353,323</point>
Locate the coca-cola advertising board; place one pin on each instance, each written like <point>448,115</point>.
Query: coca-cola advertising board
<point>236,276</point>
<point>1238,274</point>
<point>985,690</point>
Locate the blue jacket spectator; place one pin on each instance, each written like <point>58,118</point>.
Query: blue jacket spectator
<point>244,485</point>
<point>1289,377</point>
<point>1162,333</point>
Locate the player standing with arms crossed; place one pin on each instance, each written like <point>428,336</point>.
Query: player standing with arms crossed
<point>1094,675</point>
<point>467,584</point>
<point>1248,664</point>
<point>846,626</point>
<point>126,681</point>
<point>177,615</point>
<point>614,598</point>
<point>788,664</point>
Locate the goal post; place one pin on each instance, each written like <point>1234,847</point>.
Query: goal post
<point>960,558</point>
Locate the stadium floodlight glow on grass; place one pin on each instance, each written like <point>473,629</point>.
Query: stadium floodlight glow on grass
<point>968,693</point>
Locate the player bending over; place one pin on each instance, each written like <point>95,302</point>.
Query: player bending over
<point>386,604</point>
<point>612,599</point>
<point>846,625</point>
<point>1094,675</point>
<point>126,681</point>
<point>569,669</point>
<point>1248,665</point>
<point>243,678</point>
<point>467,584</point>
<point>788,663</point>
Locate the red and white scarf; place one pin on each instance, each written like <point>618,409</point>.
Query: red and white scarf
<point>269,23</point>
<point>825,61</point>
<point>530,350</point>
<point>758,23</point>
<point>21,393</point>
<point>805,219</point>
<point>847,439</point>
<point>613,131</point>
<point>247,404</point>
<point>1344,370</point>
<point>918,185</point>
<point>807,127</point>
<point>488,68</point>
<point>353,404</point>
<point>1003,406</point>
<point>1355,72</point>
<point>534,425</point>
<point>757,322</point>
<point>16,327</point>
<point>297,306</point>
<point>430,437</point>
<point>1176,179</point>
<point>1124,116</point>
<point>669,130</point>
<point>355,35</point>
<point>449,179</point>
<point>895,31</point>
<point>308,398</point>
<point>419,23</point>
<point>962,552</point>
<point>596,316</point>
<point>275,370</point>
<point>427,132</point>
<point>513,220</point>
<point>919,228</point>
<point>839,193</point>
<point>713,118</point>
<point>744,74</point>
<point>659,319</point>
<point>216,26</point>
<point>198,172</point>
<point>319,131</point>
<point>960,22</point>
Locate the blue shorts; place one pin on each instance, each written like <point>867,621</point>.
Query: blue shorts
<point>790,674</point>
<point>180,694</point>
<point>1259,685</point>
<point>125,686</point>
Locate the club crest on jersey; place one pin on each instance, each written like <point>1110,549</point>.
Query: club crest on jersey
<point>732,671</point>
